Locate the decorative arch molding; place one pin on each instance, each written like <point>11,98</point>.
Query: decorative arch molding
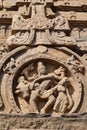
<point>48,59</point>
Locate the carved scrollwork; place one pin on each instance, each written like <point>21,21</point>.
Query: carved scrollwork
<point>39,29</point>
<point>21,38</point>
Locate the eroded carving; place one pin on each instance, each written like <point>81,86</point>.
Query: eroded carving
<point>64,100</point>
<point>44,91</point>
<point>23,88</point>
<point>3,50</point>
<point>79,34</point>
<point>39,30</point>
<point>9,3</point>
<point>10,67</point>
<point>75,64</point>
<point>60,38</point>
<point>21,38</point>
<point>42,74</point>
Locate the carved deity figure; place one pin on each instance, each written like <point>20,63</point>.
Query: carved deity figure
<point>41,69</point>
<point>58,74</point>
<point>51,98</point>
<point>23,88</point>
<point>35,94</point>
<point>52,88</point>
<point>27,71</point>
<point>45,89</point>
<point>64,100</point>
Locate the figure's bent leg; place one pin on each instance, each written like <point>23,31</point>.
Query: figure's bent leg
<point>57,103</point>
<point>33,103</point>
<point>49,103</point>
<point>64,106</point>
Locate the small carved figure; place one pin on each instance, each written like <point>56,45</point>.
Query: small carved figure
<point>23,88</point>
<point>61,22</point>
<point>64,100</point>
<point>75,64</point>
<point>60,72</point>
<point>10,67</point>
<point>75,33</point>
<point>41,69</point>
<point>27,71</point>
<point>24,10</point>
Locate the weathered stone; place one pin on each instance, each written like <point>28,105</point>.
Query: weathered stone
<point>43,64</point>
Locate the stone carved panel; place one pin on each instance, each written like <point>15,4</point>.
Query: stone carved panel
<point>39,30</point>
<point>42,83</point>
<point>45,92</point>
<point>43,73</point>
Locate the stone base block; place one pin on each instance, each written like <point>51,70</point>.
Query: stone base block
<point>31,122</point>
